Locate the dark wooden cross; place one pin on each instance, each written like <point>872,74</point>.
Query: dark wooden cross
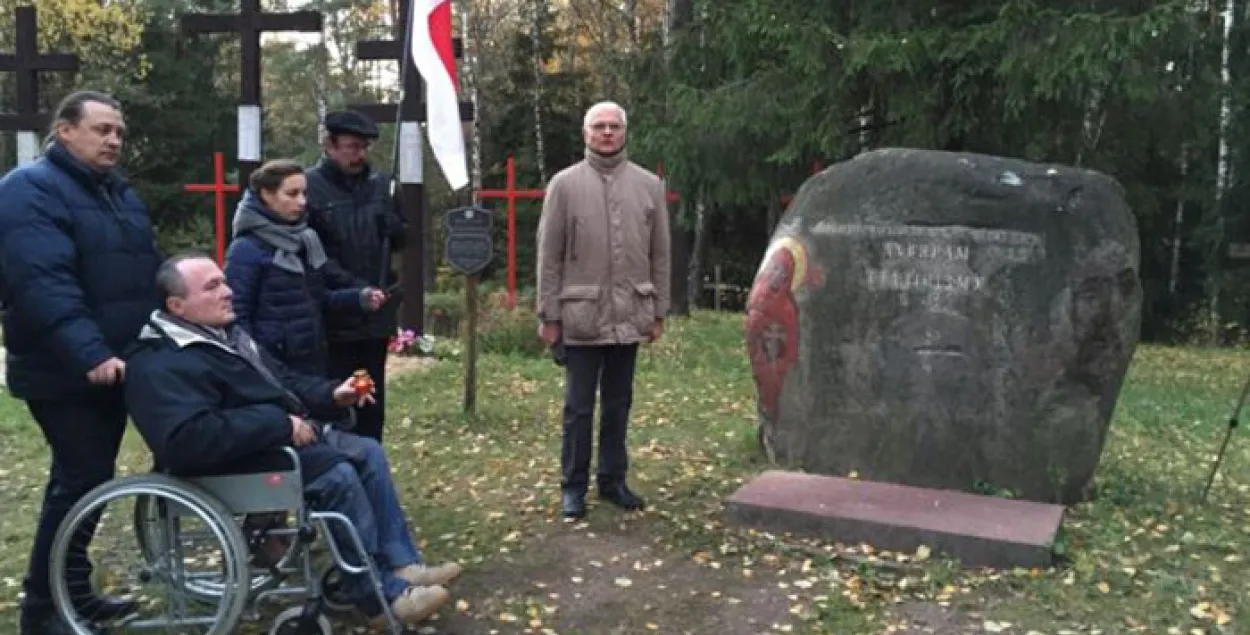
<point>250,23</point>
<point>409,112</point>
<point>27,63</point>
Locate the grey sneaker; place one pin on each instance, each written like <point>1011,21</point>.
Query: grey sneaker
<point>417,604</point>
<point>425,575</point>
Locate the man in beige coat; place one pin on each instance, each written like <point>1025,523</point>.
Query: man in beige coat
<point>603,287</point>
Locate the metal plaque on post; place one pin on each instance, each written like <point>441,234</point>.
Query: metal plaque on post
<point>469,245</point>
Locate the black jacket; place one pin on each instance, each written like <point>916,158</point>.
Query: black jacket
<point>352,214</point>
<point>78,263</point>
<point>203,408</point>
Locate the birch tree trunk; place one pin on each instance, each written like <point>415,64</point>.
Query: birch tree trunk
<point>630,7</point>
<point>1223,170</point>
<point>1178,228</point>
<point>539,8</point>
<point>1093,122</point>
<point>470,75</point>
<point>1178,222</point>
<point>700,212</point>
<point>694,285</point>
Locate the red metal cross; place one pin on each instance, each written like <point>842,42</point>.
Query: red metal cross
<point>219,188</point>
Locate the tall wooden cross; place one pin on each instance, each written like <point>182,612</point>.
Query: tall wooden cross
<point>249,23</point>
<point>26,63</point>
<point>410,112</point>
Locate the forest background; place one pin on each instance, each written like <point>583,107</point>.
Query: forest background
<point>739,101</point>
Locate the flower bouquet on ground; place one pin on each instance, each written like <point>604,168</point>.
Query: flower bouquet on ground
<point>407,343</point>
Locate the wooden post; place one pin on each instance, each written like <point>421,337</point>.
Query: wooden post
<point>249,23</point>
<point>219,188</point>
<point>470,344</point>
<point>26,63</point>
<point>469,249</point>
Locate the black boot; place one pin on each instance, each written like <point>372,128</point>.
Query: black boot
<point>50,624</point>
<point>620,496</point>
<point>574,504</point>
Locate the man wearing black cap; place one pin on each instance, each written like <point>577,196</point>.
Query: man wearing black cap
<point>352,210</point>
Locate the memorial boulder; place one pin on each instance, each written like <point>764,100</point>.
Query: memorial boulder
<point>945,320</point>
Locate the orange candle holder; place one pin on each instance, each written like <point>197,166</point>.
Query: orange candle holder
<point>362,382</point>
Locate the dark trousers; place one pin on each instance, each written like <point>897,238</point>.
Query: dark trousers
<point>610,371</point>
<point>84,433</point>
<point>346,358</point>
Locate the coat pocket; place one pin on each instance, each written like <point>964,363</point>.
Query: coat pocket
<point>644,307</point>
<point>579,311</point>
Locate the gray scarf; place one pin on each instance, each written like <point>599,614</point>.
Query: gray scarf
<point>289,241</point>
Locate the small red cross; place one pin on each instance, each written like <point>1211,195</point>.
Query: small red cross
<point>219,188</point>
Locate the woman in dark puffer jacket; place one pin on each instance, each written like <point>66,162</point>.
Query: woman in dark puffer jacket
<point>276,268</point>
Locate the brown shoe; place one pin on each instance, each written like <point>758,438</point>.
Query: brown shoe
<point>425,575</point>
<point>417,604</point>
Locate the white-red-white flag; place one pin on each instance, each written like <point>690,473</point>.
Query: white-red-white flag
<point>432,54</point>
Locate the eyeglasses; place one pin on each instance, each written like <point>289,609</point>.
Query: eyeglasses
<point>606,125</point>
<point>351,146</point>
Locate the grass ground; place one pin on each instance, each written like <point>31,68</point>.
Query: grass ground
<point>1144,557</point>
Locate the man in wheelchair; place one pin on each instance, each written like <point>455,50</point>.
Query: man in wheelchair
<point>208,400</point>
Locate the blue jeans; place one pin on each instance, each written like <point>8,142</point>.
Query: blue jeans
<point>361,489</point>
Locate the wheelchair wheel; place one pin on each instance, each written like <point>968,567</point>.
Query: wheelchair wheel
<point>290,622</point>
<point>199,544</point>
<point>204,590</point>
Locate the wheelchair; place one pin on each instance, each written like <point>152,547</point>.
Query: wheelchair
<point>182,555</point>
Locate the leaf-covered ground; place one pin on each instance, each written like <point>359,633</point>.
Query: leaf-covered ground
<point>1145,557</point>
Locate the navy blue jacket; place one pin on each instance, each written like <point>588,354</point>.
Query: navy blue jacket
<point>204,409</point>
<point>285,311</point>
<point>78,262</point>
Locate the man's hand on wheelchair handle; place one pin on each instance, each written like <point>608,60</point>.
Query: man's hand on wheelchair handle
<point>345,395</point>
<point>302,433</point>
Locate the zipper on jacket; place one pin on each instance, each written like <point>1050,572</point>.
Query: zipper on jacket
<point>607,211</point>
<point>113,205</point>
<point>573,257</point>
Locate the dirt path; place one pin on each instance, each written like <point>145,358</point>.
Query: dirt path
<point>611,577</point>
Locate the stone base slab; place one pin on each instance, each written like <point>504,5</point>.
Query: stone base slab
<point>979,531</point>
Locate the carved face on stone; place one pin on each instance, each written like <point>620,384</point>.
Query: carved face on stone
<point>1104,284</point>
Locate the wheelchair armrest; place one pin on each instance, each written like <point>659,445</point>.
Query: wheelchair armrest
<point>292,454</point>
